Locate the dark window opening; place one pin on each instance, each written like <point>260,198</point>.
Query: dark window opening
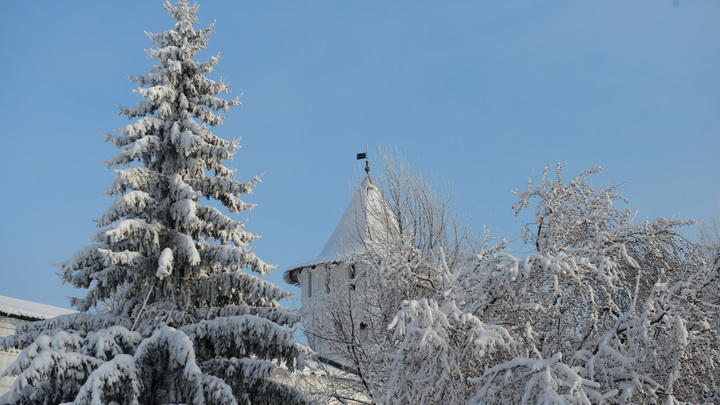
<point>327,280</point>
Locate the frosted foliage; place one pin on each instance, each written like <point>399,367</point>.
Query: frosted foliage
<point>619,303</point>
<point>173,312</point>
<point>606,310</point>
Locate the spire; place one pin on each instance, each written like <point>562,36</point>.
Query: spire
<point>366,223</point>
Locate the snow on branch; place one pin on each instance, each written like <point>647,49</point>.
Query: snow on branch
<point>240,336</point>
<point>540,381</point>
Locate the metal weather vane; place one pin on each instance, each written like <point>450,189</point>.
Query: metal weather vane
<point>367,161</point>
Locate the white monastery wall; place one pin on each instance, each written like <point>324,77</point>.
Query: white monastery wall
<point>7,327</point>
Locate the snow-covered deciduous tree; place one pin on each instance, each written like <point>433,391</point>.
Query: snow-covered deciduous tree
<point>604,310</point>
<point>189,323</point>
<point>426,212</point>
<point>607,295</point>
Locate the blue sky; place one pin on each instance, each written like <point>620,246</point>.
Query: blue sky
<point>480,93</point>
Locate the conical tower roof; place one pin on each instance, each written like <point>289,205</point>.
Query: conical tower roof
<point>366,223</point>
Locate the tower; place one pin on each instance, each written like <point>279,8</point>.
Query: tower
<point>366,225</point>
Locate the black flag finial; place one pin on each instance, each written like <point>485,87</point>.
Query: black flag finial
<point>367,161</point>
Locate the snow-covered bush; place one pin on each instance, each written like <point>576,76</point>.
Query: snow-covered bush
<point>187,322</point>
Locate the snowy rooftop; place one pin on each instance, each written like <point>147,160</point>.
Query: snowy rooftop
<point>366,221</point>
<point>14,307</point>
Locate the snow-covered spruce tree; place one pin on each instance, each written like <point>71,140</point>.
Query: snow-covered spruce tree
<point>188,323</point>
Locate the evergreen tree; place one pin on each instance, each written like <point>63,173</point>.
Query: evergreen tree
<point>185,321</point>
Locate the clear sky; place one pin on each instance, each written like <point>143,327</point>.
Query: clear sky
<point>481,93</point>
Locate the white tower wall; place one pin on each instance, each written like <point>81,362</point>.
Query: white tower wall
<point>329,311</point>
